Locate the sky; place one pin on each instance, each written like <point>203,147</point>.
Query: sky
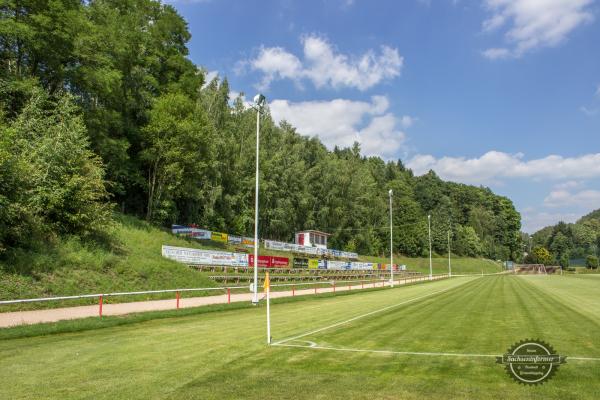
<point>499,93</point>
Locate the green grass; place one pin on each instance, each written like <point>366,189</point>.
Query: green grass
<point>460,265</point>
<point>131,262</point>
<point>223,355</point>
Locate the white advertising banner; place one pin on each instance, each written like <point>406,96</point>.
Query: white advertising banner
<point>204,257</point>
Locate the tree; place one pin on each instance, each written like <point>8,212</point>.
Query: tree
<point>564,261</point>
<point>467,242</point>
<point>65,184</point>
<point>591,262</point>
<point>179,147</point>
<point>541,255</point>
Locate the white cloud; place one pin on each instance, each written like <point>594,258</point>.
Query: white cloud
<point>407,121</point>
<point>341,122</point>
<point>531,24</point>
<point>324,67</point>
<point>568,185</point>
<point>496,53</point>
<point>590,112</point>
<point>588,199</point>
<point>494,166</point>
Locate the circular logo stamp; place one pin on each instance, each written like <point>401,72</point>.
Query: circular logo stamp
<point>531,362</point>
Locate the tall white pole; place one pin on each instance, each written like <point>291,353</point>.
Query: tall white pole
<point>269,314</point>
<point>255,296</point>
<point>391,241</point>
<point>430,260</point>
<point>449,256</point>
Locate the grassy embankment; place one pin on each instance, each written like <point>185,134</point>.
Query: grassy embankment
<point>132,262</point>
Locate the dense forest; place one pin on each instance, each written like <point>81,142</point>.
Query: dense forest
<point>101,111</point>
<point>563,242</point>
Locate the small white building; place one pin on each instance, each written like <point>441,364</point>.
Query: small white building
<point>312,238</point>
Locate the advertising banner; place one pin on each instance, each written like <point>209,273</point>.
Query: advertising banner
<point>313,263</point>
<point>280,262</point>
<point>274,245</point>
<point>204,257</point>
<point>263,261</point>
<point>300,262</point>
<point>248,242</point>
<point>219,237</point>
<point>322,264</point>
<point>196,233</point>
<point>234,239</point>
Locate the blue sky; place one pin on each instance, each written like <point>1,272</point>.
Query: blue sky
<point>501,93</point>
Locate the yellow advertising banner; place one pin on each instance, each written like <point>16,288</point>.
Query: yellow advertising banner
<point>313,264</point>
<point>219,237</point>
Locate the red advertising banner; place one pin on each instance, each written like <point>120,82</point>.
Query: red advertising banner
<point>269,261</point>
<point>279,262</point>
<point>263,261</point>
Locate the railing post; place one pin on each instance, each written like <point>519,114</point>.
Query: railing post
<point>293,291</point>
<point>333,286</point>
<point>362,284</point>
<point>177,296</point>
<point>315,289</point>
<point>228,296</point>
<point>100,306</point>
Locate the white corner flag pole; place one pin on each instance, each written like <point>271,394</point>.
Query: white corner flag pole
<point>268,287</point>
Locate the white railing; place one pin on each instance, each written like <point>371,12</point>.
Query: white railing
<point>365,284</point>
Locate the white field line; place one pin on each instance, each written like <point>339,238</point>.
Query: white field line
<point>313,346</point>
<point>364,315</point>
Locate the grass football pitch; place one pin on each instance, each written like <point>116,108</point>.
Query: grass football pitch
<point>434,340</point>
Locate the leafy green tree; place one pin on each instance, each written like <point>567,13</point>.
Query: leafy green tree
<point>65,179</point>
<point>467,242</point>
<point>541,255</point>
<point>178,154</point>
<point>591,262</point>
<point>565,261</point>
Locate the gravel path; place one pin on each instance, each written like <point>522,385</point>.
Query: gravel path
<point>57,314</point>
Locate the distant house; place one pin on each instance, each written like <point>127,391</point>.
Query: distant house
<point>312,238</point>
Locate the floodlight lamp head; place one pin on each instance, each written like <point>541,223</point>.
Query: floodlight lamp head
<point>391,192</point>
<point>260,100</point>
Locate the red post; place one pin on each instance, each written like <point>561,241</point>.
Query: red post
<point>293,290</point>
<point>100,305</point>
<point>228,296</point>
<point>177,297</point>
<point>315,289</point>
<point>362,285</point>
<point>333,287</point>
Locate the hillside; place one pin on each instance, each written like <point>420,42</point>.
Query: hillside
<point>573,241</point>
<point>69,266</point>
<point>132,262</point>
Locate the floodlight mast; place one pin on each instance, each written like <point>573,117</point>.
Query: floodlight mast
<point>259,101</point>
<point>430,260</point>
<point>449,257</point>
<point>391,241</point>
